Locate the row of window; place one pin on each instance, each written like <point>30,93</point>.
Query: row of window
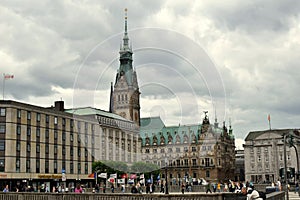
<point>38,147</point>
<point>56,134</point>
<point>266,157</point>
<point>170,150</point>
<point>207,162</point>
<point>55,120</point>
<point>29,169</point>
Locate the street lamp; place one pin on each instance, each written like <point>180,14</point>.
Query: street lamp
<point>166,168</point>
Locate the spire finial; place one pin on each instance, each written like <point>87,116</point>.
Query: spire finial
<point>125,38</point>
<point>125,20</point>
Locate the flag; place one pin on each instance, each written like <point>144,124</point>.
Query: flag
<point>8,76</point>
<point>121,181</point>
<point>269,118</point>
<point>103,175</point>
<point>142,176</point>
<point>132,176</point>
<point>124,176</point>
<point>92,175</point>
<point>130,181</point>
<point>113,176</point>
<point>112,180</point>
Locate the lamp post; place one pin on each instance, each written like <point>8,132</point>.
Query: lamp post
<point>166,168</point>
<point>285,168</point>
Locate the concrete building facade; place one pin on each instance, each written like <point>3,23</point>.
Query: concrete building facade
<point>264,155</point>
<point>51,146</point>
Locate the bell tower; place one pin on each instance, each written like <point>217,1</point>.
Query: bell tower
<point>125,94</point>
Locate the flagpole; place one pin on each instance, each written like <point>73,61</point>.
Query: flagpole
<point>96,177</point>
<point>3,85</point>
<point>269,119</point>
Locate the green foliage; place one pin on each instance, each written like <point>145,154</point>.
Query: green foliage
<point>110,167</point>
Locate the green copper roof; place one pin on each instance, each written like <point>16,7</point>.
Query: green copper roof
<point>153,130</point>
<point>94,111</point>
<point>152,123</point>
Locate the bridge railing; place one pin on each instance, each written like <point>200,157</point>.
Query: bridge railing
<point>126,196</point>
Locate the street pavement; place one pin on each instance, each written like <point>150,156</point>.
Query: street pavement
<point>293,196</point>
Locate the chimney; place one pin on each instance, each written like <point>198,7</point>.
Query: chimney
<point>59,106</point>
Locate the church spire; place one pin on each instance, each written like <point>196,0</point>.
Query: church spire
<point>125,37</point>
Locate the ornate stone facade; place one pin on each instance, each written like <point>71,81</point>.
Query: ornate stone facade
<point>125,95</point>
<point>189,152</point>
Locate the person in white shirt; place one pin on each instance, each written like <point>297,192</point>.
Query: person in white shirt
<point>253,195</point>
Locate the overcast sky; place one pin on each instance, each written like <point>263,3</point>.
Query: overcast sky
<point>238,59</point>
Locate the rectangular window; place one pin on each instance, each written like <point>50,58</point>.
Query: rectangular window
<point>55,149</point>
<point>38,117</point>
<point>147,151</point>
<point>86,152</point>
<point>47,133</point>
<point>19,114</point>
<point>28,166</point>
<point>46,166</point>
<point>154,150</point>
<point>71,168</point>
<point>71,151</point>
<point>18,146</point>
<point>71,137</point>
<point>2,112</point>
<point>37,166</point>
<point>177,150</point>
<point>86,140</point>
<point>2,166</point>
<point>63,135</point>
<point>63,150</point>
<point>47,148</point>
<point>38,131</point>
<point>78,127</point>
<point>86,170</point>
<point>2,128</point>
<point>38,148</point>
<point>55,166</point>
<point>55,120</point>
<point>186,162</point>
<point>194,149</point>
<point>78,138</point>
<point>18,129</point>
<point>47,118</point>
<point>207,174</point>
<point>71,123</point>
<point>178,162</point>
<point>79,152</point>
<point>55,134</point>
<point>18,165</point>
<point>63,121</point>
<point>28,131</point>
<point>194,162</point>
<point>186,149</point>
<point>28,115</point>
<point>28,147</point>
<point>2,145</point>
<point>79,168</point>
